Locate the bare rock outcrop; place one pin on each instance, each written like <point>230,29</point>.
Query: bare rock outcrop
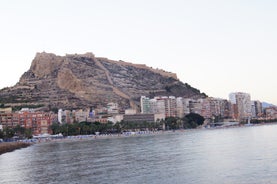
<point>83,80</point>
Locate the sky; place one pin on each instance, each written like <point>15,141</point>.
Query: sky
<point>216,46</point>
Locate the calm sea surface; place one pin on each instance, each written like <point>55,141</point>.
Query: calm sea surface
<point>235,155</point>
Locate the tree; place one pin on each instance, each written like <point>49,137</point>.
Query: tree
<point>193,120</point>
<point>117,127</point>
<point>28,133</point>
<point>19,131</point>
<point>55,127</point>
<point>73,129</point>
<point>171,123</point>
<point>1,134</point>
<point>86,129</point>
<point>8,132</point>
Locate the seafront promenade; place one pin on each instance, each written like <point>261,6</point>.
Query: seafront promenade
<point>11,146</point>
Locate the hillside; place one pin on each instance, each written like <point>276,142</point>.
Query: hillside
<point>78,81</point>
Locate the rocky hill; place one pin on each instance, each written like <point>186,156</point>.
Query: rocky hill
<point>78,81</point>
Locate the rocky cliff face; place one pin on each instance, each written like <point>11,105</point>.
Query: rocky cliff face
<point>78,81</point>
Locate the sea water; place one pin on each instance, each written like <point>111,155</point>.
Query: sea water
<point>233,155</point>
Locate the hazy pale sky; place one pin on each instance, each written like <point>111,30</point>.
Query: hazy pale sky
<point>216,46</point>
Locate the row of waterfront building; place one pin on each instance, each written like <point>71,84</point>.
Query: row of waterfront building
<point>239,107</point>
<point>38,122</point>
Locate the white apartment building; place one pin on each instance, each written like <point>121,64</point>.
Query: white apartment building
<point>159,105</point>
<point>145,105</point>
<point>180,106</point>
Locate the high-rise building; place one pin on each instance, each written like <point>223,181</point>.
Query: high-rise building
<point>170,107</point>
<point>225,109</point>
<point>206,110</point>
<point>256,108</point>
<point>186,105</point>
<point>241,105</point>
<point>145,105</point>
<point>159,105</point>
<point>195,106</point>
<point>153,106</point>
<point>180,107</point>
<point>215,107</point>
<point>253,109</point>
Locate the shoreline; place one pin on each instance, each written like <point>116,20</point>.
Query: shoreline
<point>92,137</point>
<point>6,147</point>
<point>103,136</point>
<point>134,134</point>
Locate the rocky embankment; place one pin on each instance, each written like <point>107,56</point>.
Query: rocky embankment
<point>11,146</point>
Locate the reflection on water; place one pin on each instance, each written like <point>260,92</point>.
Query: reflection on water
<point>236,155</point>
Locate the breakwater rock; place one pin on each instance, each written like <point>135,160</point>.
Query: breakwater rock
<point>11,146</point>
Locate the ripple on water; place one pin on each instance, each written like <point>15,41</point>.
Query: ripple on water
<point>237,155</point>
